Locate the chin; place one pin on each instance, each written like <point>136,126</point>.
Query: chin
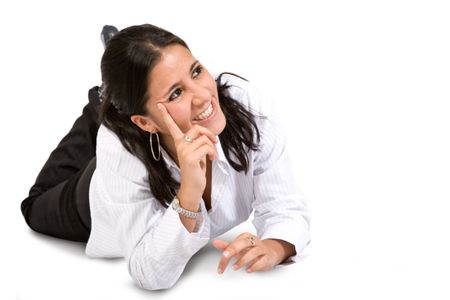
<point>218,126</point>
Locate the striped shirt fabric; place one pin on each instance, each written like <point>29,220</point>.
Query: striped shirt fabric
<point>127,221</point>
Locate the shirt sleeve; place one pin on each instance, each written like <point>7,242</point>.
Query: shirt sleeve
<point>152,238</point>
<point>160,257</point>
<point>281,210</point>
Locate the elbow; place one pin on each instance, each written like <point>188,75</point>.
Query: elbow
<point>152,285</point>
<point>152,276</point>
<point>151,282</point>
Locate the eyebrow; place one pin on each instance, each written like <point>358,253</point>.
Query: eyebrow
<point>177,83</point>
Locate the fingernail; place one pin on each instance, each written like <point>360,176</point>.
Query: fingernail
<point>226,254</point>
<point>159,106</point>
<point>248,270</point>
<point>235,267</point>
<point>219,270</point>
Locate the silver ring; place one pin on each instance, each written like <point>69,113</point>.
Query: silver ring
<point>188,139</point>
<point>252,240</point>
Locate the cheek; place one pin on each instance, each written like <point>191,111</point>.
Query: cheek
<point>213,89</point>
<point>210,84</point>
<point>181,115</point>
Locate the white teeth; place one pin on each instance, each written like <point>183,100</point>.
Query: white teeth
<point>204,115</point>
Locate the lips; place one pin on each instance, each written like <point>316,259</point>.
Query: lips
<point>205,114</point>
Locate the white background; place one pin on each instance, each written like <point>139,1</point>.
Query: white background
<point>363,91</point>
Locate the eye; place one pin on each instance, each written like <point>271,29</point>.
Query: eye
<point>175,94</point>
<point>197,71</point>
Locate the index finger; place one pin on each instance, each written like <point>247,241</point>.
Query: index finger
<point>174,130</point>
<point>231,250</point>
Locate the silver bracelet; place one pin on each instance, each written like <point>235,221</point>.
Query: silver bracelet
<point>184,212</point>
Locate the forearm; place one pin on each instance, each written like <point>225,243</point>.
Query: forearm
<point>159,259</point>
<point>155,268</point>
<point>151,274</point>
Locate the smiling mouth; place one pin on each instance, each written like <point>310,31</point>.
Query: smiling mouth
<point>205,114</point>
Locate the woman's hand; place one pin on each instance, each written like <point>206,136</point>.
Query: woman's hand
<point>192,147</point>
<point>253,253</point>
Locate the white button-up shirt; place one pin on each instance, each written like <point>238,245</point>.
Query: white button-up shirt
<point>127,220</point>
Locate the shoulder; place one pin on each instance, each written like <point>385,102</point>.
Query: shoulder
<point>107,136</point>
<point>112,155</point>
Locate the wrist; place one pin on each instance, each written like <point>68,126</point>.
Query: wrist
<point>184,212</point>
<point>281,249</point>
<point>188,200</point>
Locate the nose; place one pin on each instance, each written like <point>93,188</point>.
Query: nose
<point>200,94</point>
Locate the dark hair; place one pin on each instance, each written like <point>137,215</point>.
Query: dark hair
<point>126,63</point>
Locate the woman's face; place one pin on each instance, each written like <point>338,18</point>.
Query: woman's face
<point>187,90</point>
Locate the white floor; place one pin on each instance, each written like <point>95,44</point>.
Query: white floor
<point>363,91</point>
<point>405,261</point>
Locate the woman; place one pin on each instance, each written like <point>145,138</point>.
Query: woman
<point>178,158</point>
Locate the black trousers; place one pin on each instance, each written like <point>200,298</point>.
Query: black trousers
<point>58,202</point>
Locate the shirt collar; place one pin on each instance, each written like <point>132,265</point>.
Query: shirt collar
<point>221,160</point>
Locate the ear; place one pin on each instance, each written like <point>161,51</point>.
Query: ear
<point>145,123</point>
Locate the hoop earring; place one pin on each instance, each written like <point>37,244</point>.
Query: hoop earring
<point>151,146</point>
